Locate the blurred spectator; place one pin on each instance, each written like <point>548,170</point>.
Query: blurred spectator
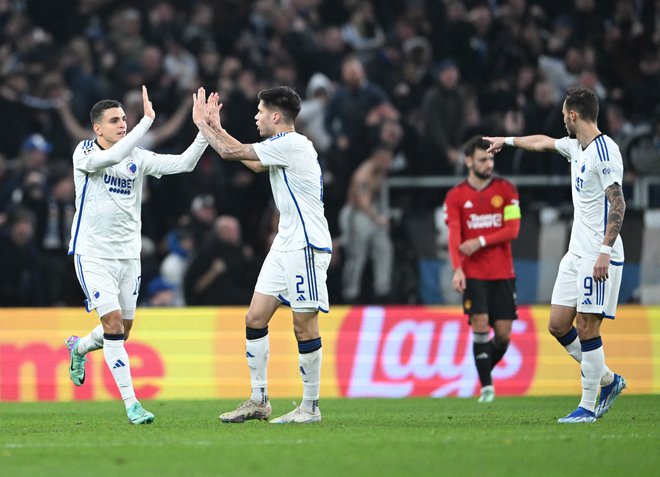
<point>362,32</point>
<point>364,230</point>
<point>443,112</point>
<point>312,111</point>
<point>346,115</point>
<point>202,215</point>
<point>20,280</point>
<point>224,268</point>
<point>160,292</point>
<point>54,236</point>
<point>181,245</point>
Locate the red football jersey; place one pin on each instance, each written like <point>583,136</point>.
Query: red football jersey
<point>470,213</point>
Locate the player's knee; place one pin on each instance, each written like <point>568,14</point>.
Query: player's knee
<point>503,340</point>
<point>558,330</point>
<point>113,323</point>
<point>252,320</point>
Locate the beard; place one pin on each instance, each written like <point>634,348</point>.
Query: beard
<point>483,175</point>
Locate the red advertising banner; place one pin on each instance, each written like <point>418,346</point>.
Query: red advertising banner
<point>402,352</point>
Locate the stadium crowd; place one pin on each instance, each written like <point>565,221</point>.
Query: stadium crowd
<point>414,78</point>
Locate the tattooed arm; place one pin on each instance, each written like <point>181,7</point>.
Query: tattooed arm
<point>614,195</point>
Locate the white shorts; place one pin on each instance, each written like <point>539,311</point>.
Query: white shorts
<point>576,287</point>
<point>109,284</point>
<point>296,278</point>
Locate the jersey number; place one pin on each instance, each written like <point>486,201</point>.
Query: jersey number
<point>299,283</point>
<point>138,280</point>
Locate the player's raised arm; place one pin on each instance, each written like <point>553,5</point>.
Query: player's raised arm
<point>537,142</point>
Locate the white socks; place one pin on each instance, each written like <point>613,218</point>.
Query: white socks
<point>117,360</point>
<point>91,342</point>
<point>257,351</point>
<point>310,373</point>
<point>574,348</point>
<point>593,362</point>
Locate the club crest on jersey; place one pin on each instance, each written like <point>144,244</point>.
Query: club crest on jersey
<point>132,168</point>
<point>583,168</point>
<point>497,201</point>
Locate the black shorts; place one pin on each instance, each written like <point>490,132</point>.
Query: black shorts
<point>496,298</point>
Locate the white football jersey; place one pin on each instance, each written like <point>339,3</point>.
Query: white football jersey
<point>108,218</point>
<point>593,170</point>
<point>297,183</point>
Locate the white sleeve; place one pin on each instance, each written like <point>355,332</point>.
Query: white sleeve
<point>164,164</point>
<point>274,151</point>
<point>92,160</point>
<point>563,147</point>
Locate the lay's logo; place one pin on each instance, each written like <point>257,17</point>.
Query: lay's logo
<point>395,352</point>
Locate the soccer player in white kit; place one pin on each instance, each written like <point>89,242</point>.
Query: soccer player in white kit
<point>587,286</point>
<point>294,271</point>
<point>105,237</point>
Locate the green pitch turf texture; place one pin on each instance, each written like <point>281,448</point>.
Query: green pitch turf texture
<point>359,437</point>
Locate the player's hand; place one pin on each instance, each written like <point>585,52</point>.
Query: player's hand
<point>459,280</point>
<point>602,267</point>
<point>148,107</point>
<point>496,144</point>
<point>213,107</point>
<point>469,246</point>
<point>199,107</point>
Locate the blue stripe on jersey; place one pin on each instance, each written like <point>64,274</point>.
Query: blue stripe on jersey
<point>81,276</point>
<point>600,154</point>
<point>309,274</point>
<point>278,135</point>
<point>608,316</point>
<point>283,300</point>
<point>603,151</point>
<point>286,181</point>
<point>316,288</point>
<point>312,283</point>
<point>322,249</point>
<point>80,212</point>
<point>605,227</point>
<point>616,264</point>
<point>313,287</point>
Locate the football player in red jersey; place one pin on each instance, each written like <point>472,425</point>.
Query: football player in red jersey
<point>483,217</point>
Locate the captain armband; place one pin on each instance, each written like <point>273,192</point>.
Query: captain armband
<point>511,212</point>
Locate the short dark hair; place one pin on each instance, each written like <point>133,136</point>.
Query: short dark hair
<point>97,110</point>
<point>475,142</point>
<point>283,99</point>
<point>584,101</point>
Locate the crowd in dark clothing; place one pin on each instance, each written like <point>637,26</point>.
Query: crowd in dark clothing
<point>418,77</point>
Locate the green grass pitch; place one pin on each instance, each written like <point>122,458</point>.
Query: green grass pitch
<point>359,437</point>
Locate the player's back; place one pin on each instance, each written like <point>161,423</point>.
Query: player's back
<point>297,183</point>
